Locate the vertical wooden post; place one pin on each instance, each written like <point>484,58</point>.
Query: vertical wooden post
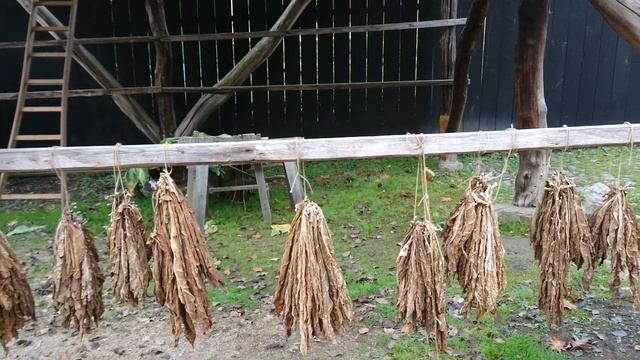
<point>197,191</point>
<point>294,183</point>
<point>531,108</point>
<point>263,192</point>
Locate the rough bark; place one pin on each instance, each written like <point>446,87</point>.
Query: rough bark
<point>209,103</point>
<point>164,66</point>
<point>624,18</point>
<point>531,109</point>
<point>472,28</point>
<point>449,10</point>
<point>127,104</point>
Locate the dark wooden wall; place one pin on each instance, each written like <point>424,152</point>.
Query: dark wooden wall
<point>591,76</point>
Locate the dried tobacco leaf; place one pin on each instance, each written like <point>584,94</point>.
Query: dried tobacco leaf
<point>616,233</point>
<point>181,261</point>
<point>421,299</point>
<point>77,280</point>
<point>16,300</point>
<point>473,249</point>
<point>127,251</point>
<point>311,290</point>
<point>559,235</point>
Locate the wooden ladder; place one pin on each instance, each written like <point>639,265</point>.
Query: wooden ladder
<point>28,82</point>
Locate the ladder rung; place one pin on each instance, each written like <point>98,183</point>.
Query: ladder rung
<point>49,55</point>
<point>48,137</point>
<point>52,3</point>
<point>51,28</point>
<point>45,82</point>
<point>42,109</point>
<point>30,196</point>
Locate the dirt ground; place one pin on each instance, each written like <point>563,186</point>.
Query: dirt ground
<point>144,333</point>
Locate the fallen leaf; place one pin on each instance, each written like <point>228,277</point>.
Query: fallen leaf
<point>568,305</point>
<point>445,199</point>
<point>579,344</point>
<point>558,344</point>
<point>406,194</point>
<point>257,269</point>
<point>363,330</point>
<point>227,272</point>
<point>274,259</point>
<point>252,257</point>
<point>210,228</point>
<point>382,301</point>
<point>280,229</point>
<point>23,229</point>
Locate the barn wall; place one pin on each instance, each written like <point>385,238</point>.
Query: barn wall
<point>591,76</point>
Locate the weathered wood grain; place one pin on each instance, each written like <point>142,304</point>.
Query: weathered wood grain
<point>83,158</point>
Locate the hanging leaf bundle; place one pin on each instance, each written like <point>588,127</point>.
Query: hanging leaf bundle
<point>181,262</point>
<point>16,301</point>
<point>559,235</point>
<point>77,280</point>
<point>127,251</point>
<point>473,249</point>
<point>616,234</point>
<point>421,299</point>
<point>311,290</point>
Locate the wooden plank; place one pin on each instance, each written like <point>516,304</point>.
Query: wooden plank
<point>227,35</point>
<point>374,66</point>
<point>308,57</point>
<point>275,64</point>
<point>224,89</point>
<point>266,151</point>
<point>341,66</point>
<point>326,121</point>
<point>391,97</point>
<point>293,99</point>
<point>263,192</point>
<point>225,63</point>
<point>259,99</point>
<point>189,22</point>
<point>358,72</point>
<point>197,180</point>
<point>294,183</point>
<point>244,114</point>
<point>408,10</point>
<point>30,196</point>
<point>174,26</point>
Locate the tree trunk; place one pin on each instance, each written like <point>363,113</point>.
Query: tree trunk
<point>624,18</point>
<point>472,28</point>
<point>209,103</point>
<point>533,17</point>
<point>164,66</point>
<point>127,104</point>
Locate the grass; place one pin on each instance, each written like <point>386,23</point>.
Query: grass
<point>368,205</point>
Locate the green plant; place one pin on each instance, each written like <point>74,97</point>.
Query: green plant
<point>134,177</point>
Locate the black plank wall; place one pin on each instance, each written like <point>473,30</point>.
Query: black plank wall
<point>591,76</point>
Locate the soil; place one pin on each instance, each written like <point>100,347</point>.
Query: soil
<point>144,333</point>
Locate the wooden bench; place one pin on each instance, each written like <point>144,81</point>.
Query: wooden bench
<point>198,179</point>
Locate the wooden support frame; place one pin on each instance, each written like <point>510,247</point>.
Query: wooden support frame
<point>83,158</point>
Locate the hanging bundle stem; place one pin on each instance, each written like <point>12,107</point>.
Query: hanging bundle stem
<point>181,261</point>
<point>16,300</point>
<point>559,235</point>
<point>311,290</point>
<point>473,249</point>
<point>127,251</point>
<point>421,299</point>
<point>616,233</point>
<point>77,280</point>
<point>126,242</point>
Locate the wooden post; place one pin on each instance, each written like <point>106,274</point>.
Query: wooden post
<point>533,17</point>
<point>470,33</point>
<point>164,66</point>
<point>294,183</point>
<point>197,191</point>
<point>263,192</point>
<point>208,104</point>
<point>624,18</point>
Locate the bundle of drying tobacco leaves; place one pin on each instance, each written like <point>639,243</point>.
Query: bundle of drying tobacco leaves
<point>311,290</point>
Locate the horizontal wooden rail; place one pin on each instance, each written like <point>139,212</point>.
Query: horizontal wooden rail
<point>225,89</point>
<point>246,34</point>
<point>84,158</point>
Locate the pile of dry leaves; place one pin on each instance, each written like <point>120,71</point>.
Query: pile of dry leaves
<point>16,301</point>
<point>616,235</point>
<point>127,251</point>
<point>181,261</point>
<point>559,235</point>
<point>421,299</point>
<point>473,249</point>
<point>77,280</point>
<point>311,290</point>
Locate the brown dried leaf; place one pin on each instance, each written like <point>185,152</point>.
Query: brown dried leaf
<point>445,199</point>
<point>257,269</point>
<point>568,304</point>
<point>127,251</point>
<point>557,344</point>
<point>181,262</point>
<point>77,280</point>
<point>421,299</point>
<point>473,249</point>
<point>311,291</point>
<point>559,235</point>
<point>616,235</point>
<point>16,300</point>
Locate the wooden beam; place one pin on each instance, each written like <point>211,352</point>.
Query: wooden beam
<point>129,106</point>
<point>249,34</point>
<point>624,18</point>
<point>84,158</point>
<point>226,89</point>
